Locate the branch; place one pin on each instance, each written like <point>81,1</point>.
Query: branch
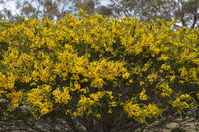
<point>194,20</point>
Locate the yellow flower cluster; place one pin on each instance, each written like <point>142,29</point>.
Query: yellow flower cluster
<point>39,100</point>
<point>197,94</point>
<point>139,113</point>
<point>87,104</point>
<point>184,101</point>
<point>7,82</point>
<point>16,98</point>
<point>134,110</point>
<point>152,77</point>
<point>165,89</point>
<point>151,110</point>
<point>88,65</point>
<point>143,95</point>
<point>62,96</point>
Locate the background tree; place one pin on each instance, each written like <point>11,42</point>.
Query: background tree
<point>87,5</point>
<point>187,11</point>
<point>53,9</point>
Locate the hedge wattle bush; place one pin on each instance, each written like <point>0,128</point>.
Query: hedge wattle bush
<point>96,68</point>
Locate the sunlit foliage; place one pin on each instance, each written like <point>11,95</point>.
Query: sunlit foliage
<point>94,66</point>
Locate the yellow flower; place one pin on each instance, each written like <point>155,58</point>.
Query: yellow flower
<point>151,110</point>
<point>165,89</point>
<point>110,111</point>
<point>113,104</point>
<point>62,96</point>
<point>184,101</point>
<point>143,96</point>
<point>197,95</point>
<point>134,111</point>
<point>44,111</point>
<point>142,83</point>
<point>98,83</point>
<point>81,12</point>
<point>15,97</point>
<point>131,81</point>
<point>165,67</point>
<point>126,75</point>
<point>98,116</point>
<point>163,57</point>
<point>152,77</point>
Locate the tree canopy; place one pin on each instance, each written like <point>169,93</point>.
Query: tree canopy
<point>92,73</point>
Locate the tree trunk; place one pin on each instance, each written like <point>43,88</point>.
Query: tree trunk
<point>107,127</point>
<point>194,20</point>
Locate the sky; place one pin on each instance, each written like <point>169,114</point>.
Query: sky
<point>9,5</point>
<point>104,2</point>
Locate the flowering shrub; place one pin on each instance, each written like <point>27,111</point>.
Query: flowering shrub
<point>90,66</point>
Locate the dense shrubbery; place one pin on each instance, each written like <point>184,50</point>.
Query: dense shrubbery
<point>98,71</point>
